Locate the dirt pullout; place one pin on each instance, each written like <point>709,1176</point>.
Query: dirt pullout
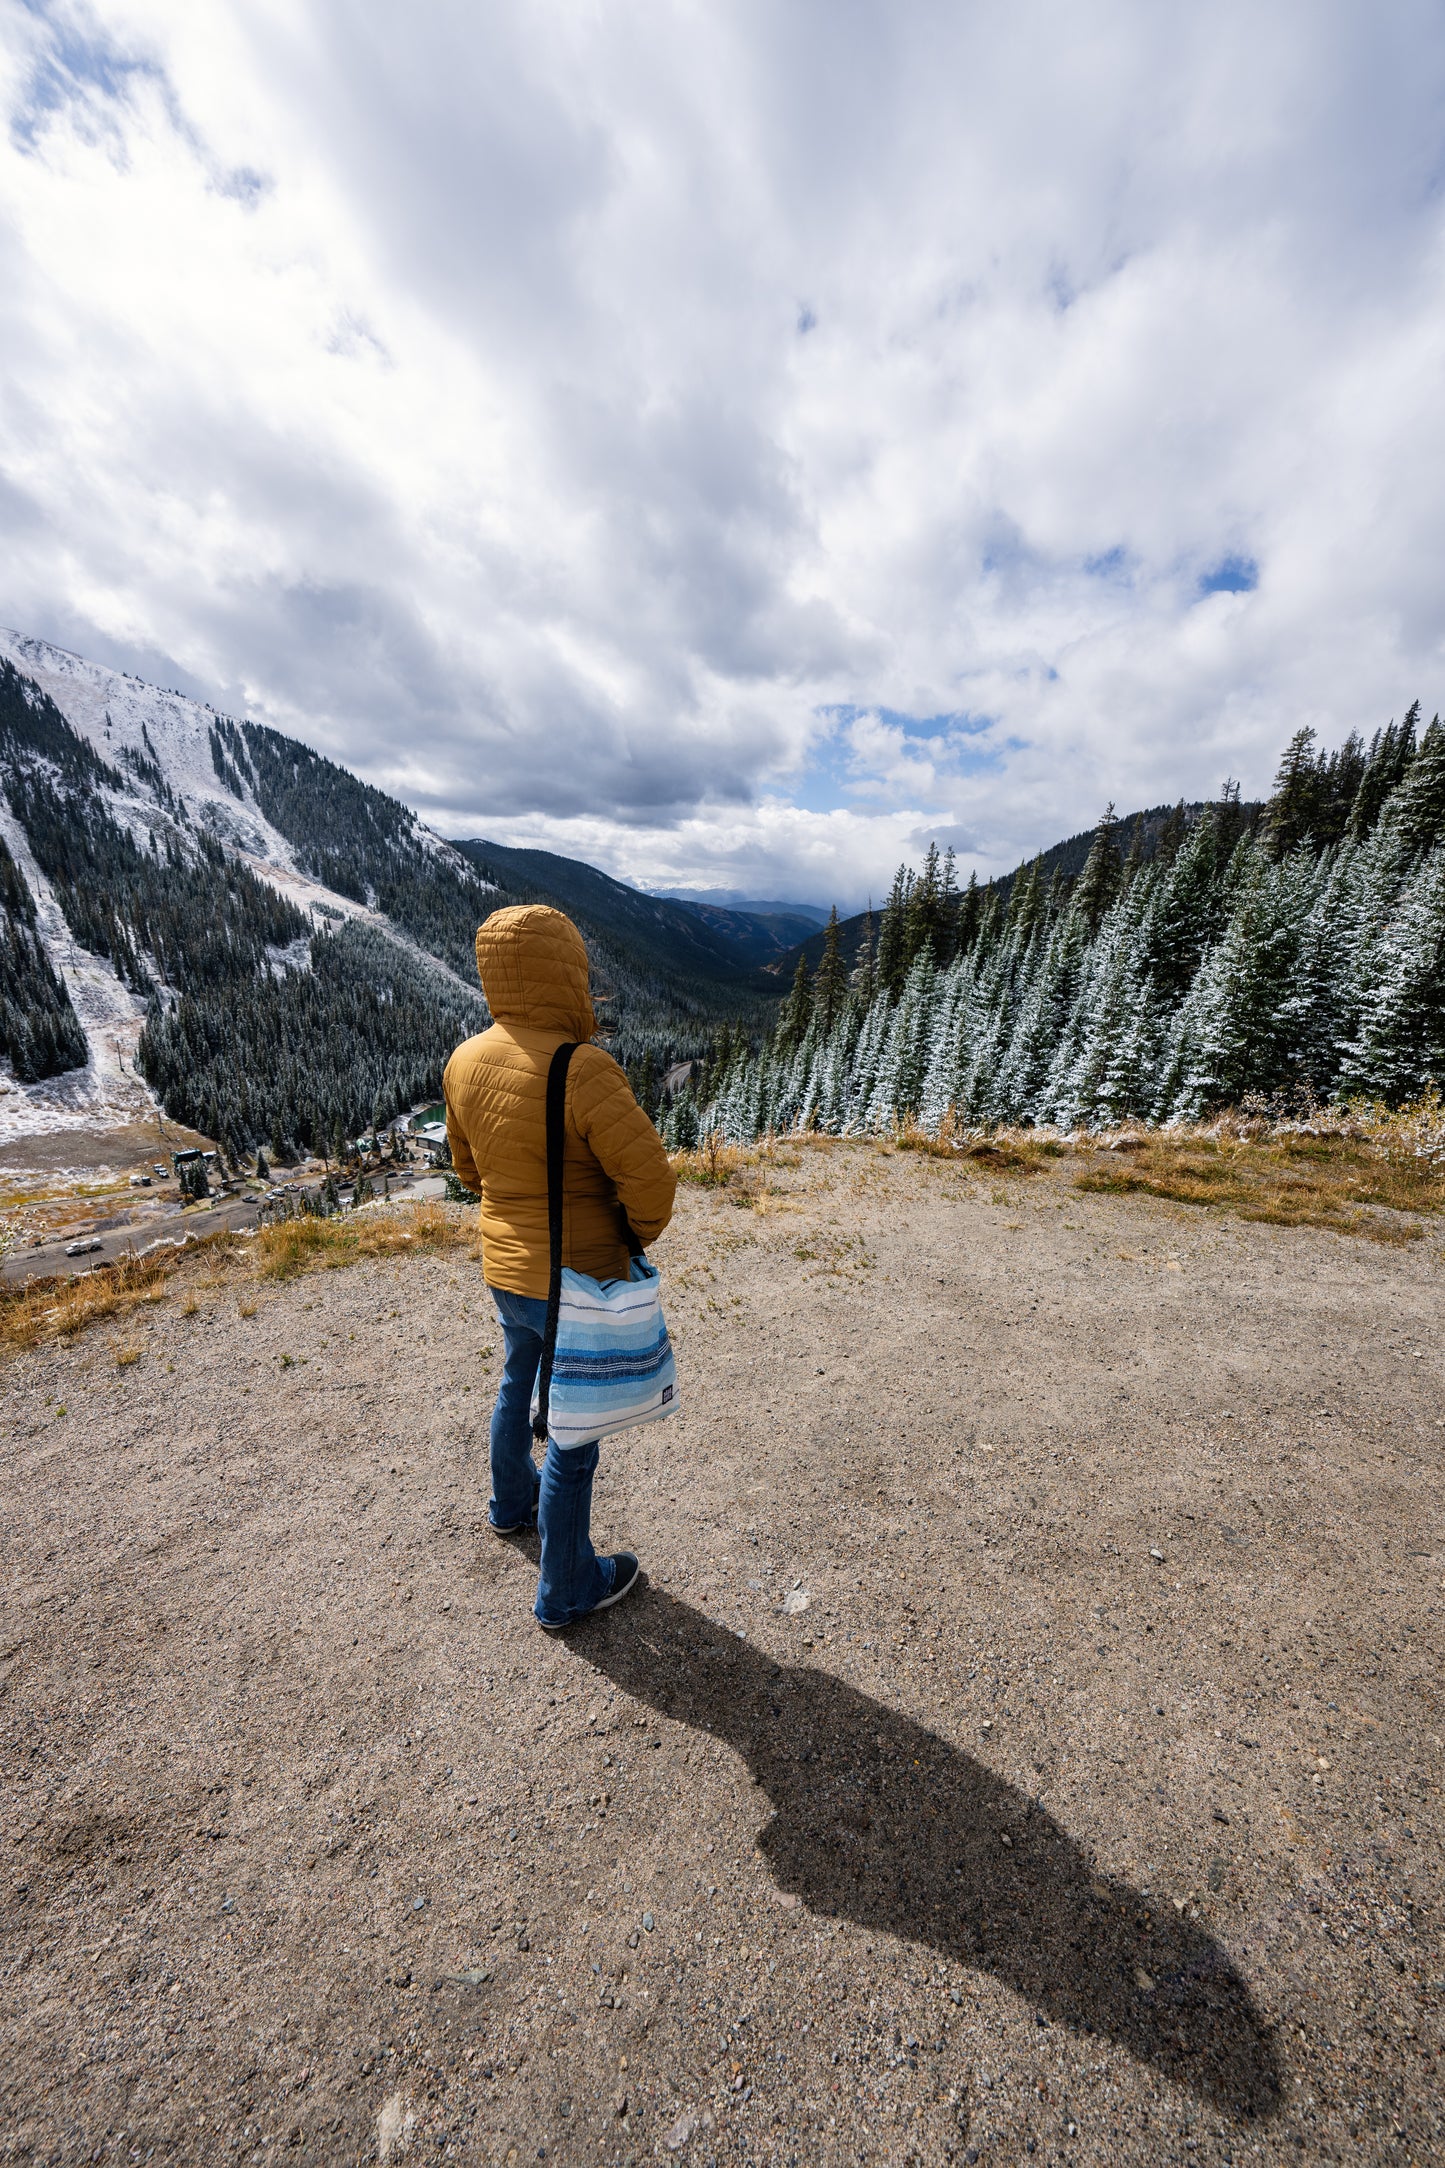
<point>1028,1744</point>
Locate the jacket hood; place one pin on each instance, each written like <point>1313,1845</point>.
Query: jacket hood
<point>532,963</point>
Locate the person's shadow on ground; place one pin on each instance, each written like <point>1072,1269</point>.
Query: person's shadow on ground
<point>878,1821</point>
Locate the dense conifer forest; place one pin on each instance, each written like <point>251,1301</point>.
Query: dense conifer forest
<point>309,1058</point>
<point>40,1034</point>
<point>1183,961</point>
<point>1295,951</point>
<point>262,1027</point>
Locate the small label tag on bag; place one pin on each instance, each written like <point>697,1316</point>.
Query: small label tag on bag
<point>666,1394</point>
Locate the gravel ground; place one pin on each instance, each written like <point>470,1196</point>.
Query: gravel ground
<point>1027,1745</point>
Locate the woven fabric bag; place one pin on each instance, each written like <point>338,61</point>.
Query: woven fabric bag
<point>607,1361</point>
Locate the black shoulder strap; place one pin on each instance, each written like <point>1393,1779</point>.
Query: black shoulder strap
<point>556,1139</point>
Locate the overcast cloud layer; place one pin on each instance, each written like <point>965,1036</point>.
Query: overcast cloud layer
<point>734,442</point>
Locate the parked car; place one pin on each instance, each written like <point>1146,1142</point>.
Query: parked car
<point>83,1248</point>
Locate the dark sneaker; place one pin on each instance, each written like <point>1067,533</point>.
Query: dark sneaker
<point>625,1575</point>
<point>625,1571</point>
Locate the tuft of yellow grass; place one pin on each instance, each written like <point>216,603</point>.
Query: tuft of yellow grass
<point>126,1352</point>
<point>987,1152</point>
<point>1293,1176</point>
<point>305,1245</point>
<point>714,1164</point>
<point>51,1308</point>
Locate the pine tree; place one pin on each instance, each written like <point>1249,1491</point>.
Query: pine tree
<point>865,975</point>
<point>990,920</point>
<point>970,908</point>
<point>1292,812</point>
<point>1401,1045</point>
<point>948,900</point>
<point>1340,781</point>
<point>830,982</point>
<point>1103,871</point>
<point>922,918</point>
<point>1417,806</point>
<point>1025,902</point>
<point>796,1012</point>
<point>1230,816</point>
<point>1188,913</point>
<point>1171,836</point>
<point>893,957</point>
<point>1391,752</point>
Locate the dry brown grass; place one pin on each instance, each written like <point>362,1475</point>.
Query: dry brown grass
<point>49,1309</point>
<point>744,1172</point>
<point>995,1152</point>
<point>52,1309</point>
<point>713,1164</point>
<point>1289,1178</point>
<point>304,1245</point>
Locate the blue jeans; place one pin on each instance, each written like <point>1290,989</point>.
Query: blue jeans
<point>573,1578</point>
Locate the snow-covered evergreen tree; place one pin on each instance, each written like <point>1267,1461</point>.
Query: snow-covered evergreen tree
<point>1301,950</point>
<point>1401,1043</point>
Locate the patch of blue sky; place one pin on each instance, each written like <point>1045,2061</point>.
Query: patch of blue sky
<point>954,722</point>
<point>1233,575</point>
<point>1114,564</point>
<point>70,67</point>
<point>836,778</point>
<point>1061,289</point>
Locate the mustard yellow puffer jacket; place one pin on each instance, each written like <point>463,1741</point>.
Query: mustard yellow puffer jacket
<point>533,966</point>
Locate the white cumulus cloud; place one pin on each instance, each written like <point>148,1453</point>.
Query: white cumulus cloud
<point>734,444</point>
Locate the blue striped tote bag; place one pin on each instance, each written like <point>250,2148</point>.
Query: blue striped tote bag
<point>607,1361</point>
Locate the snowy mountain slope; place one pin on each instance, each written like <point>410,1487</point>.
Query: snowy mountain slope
<point>122,716</point>
<point>106,1092</point>
<point>132,775</point>
<point>279,950</point>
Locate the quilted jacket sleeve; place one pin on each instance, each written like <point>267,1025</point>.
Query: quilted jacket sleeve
<point>622,1140</point>
<point>462,1160</point>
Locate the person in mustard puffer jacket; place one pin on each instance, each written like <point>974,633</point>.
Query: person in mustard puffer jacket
<point>533,967</point>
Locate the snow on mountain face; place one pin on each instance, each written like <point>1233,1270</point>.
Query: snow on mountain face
<point>164,749</point>
<point>116,713</point>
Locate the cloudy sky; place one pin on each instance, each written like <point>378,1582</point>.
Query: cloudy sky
<point>736,441</point>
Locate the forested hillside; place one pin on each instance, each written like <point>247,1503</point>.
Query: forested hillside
<point>309,1057</point>
<point>1297,949</point>
<point>40,1034</point>
<point>260,1026</point>
<point>662,975</point>
<point>302,945</point>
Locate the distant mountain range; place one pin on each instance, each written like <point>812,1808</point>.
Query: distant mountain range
<point>736,899</point>
<point>692,942</point>
<point>284,953</point>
